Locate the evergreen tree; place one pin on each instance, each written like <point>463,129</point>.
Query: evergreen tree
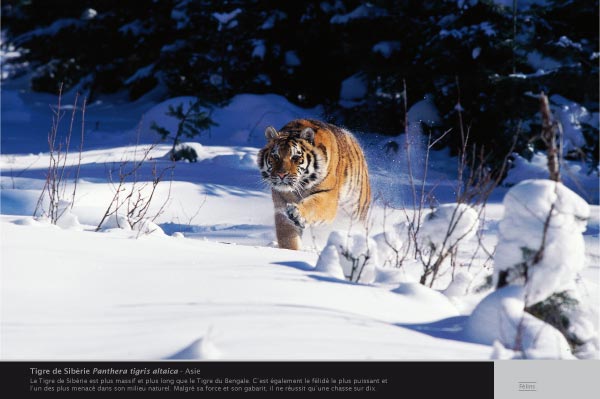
<point>480,57</point>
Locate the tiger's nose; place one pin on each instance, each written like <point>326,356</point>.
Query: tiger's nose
<point>282,175</point>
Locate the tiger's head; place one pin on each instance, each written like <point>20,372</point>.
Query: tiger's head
<point>290,161</point>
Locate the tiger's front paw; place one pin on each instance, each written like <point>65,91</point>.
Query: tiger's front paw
<point>293,213</point>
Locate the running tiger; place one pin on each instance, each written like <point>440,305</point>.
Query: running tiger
<point>312,168</point>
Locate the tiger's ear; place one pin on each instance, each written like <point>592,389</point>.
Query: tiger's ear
<point>271,133</point>
<point>308,134</point>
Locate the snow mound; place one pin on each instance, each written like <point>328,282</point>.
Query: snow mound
<point>121,222</point>
<point>253,113</point>
<point>260,49</point>
<point>357,255</point>
<point>571,116</point>
<point>424,111</point>
<point>449,224</point>
<point>501,317</point>
<point>227,19</point>
<point>353,90</point>
<point>390,245</point>
<point>365,11</point>
<point>188,151</point>
<point>427,296</point>
<point>526,226</point>
<point>459,285</point>
<point>386,48</point>
<point>574,174</point>
<point>389,276</point>
<point>329,263</point>
<point>292,59</point>
<point>68,220</point>
<point>200,349</point>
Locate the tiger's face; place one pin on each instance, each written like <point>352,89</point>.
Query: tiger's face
<point>290,162</point>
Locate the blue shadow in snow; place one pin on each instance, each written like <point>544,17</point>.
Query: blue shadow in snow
<point>305,267</point>
<point>450,328</point>
<point>592,230</point>
<point>190,352</point>
<point>170,228</point>
<point>328,279</point>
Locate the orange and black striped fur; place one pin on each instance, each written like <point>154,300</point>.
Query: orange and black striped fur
<point>313,168</point>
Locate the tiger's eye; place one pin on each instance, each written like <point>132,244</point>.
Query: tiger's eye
<point>275,156</point>
<point>296,158</point>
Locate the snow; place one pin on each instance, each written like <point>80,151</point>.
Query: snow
<point>173,291</point>
<point>542,63</point>
<point>175,46</point>
<point>259,50</point>
<point>50,30</point>
<point>292,59</point>
<point>180,16</point>
<point>141,73</point>
<point>500,317</point>
<point>571,115</point>
<point>574,174</point>
<point>386,48</point>
<point>460,285</point>
<point>227,19</point>
<point>448,225</point>
<point>259,112</point>
<point>353,90</point>
<point>390,245</point>
<point>135,28</point>
<point>356,255</point>
<point>468,31</point>
<point>329,263</point>
<point>363,11</point>
<point>541,212</point>
<point>564,41</point>
<point>89,13</point>
<point>522,4</point>
<point>201,277</point>
<point>272,19</point>
<point>427,296</point>
<point>424,111</point>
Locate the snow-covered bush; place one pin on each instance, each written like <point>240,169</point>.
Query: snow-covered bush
<point>391,246</point>
<point>540,239</point>
<point>184,152</point>
<point>132,199</point>
<point>329,263</point>
<point>427,245</point>
<point>447,225</point>
<point>192,119</point>
<point>537,309</point>
<point>459,285</point>
<point>440,234</point>
<point>501,317</point>
<point>354,253</point>
<point>123,222</point>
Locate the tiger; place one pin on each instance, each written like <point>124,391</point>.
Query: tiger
<point>313,168</point>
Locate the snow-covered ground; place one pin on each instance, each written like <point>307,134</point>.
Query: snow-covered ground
<point>207,281</point>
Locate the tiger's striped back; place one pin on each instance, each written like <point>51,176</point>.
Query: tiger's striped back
<point>347,164</point>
